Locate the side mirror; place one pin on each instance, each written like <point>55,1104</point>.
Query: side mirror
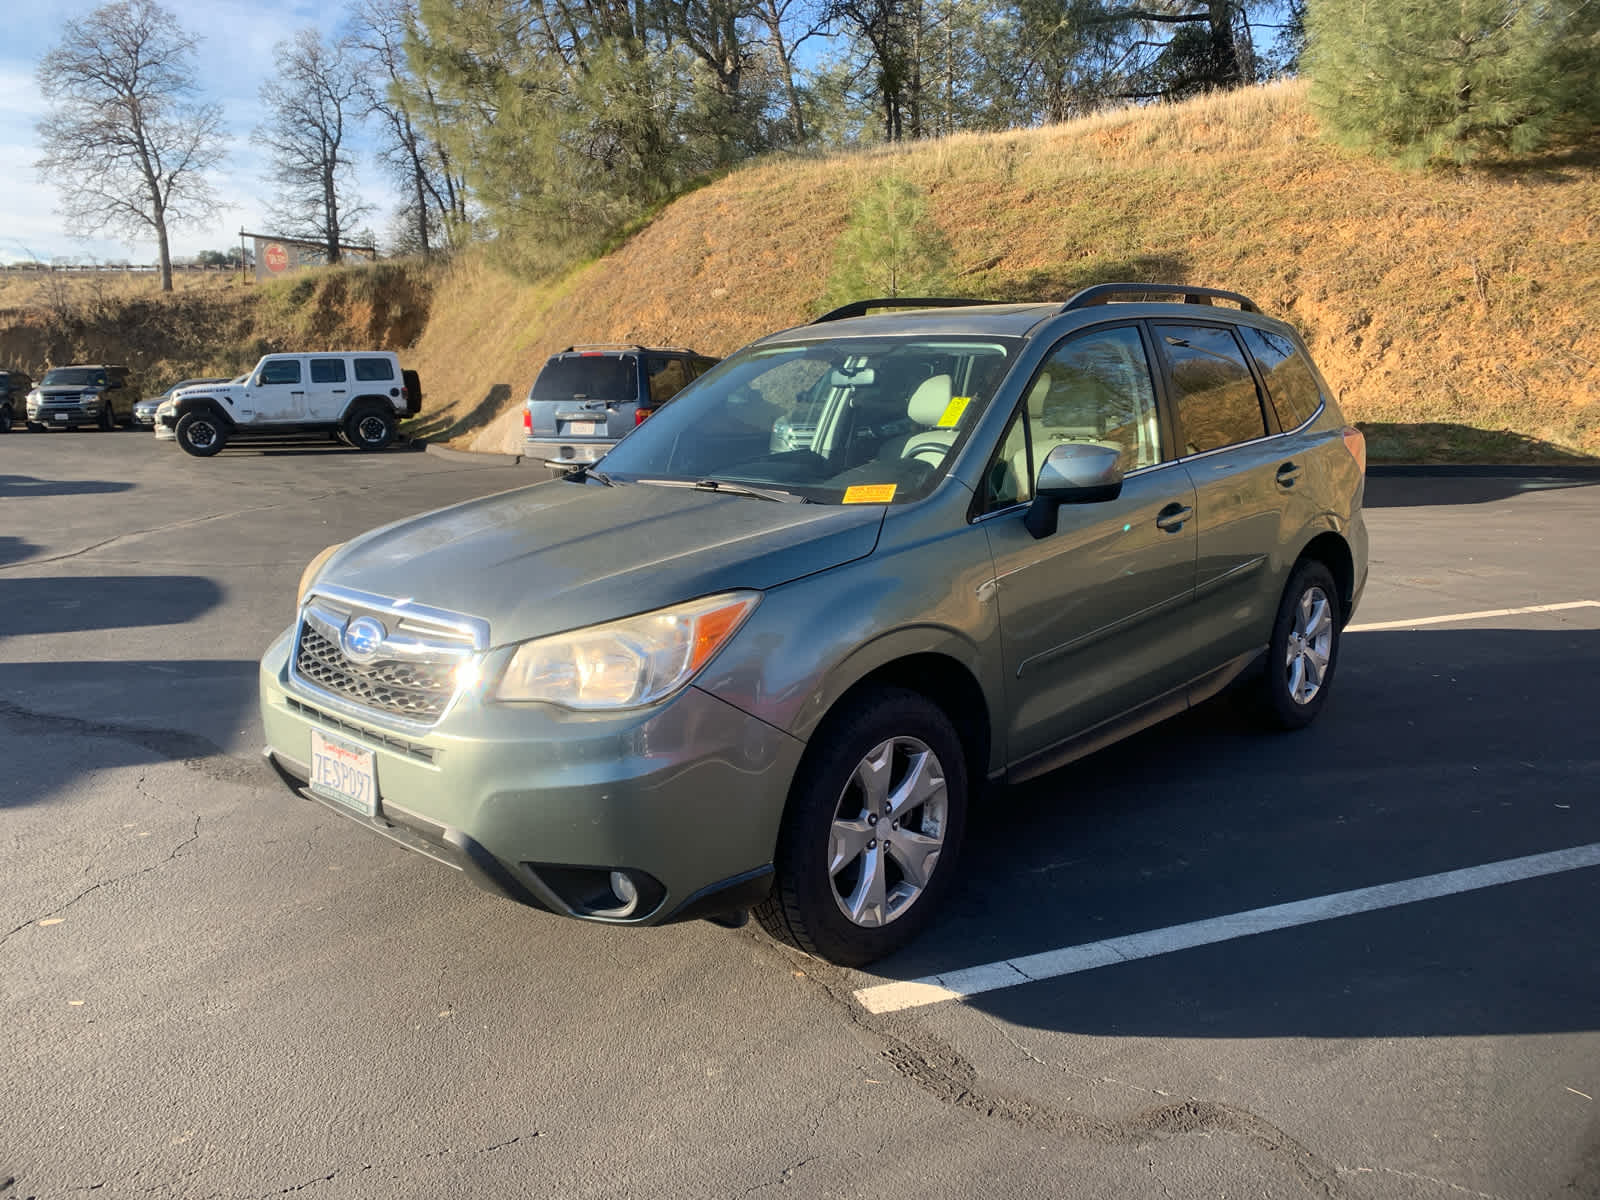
<point>1073,473</point>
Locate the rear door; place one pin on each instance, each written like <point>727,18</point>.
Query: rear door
<point>1222,428</point>
<point>327,389</point>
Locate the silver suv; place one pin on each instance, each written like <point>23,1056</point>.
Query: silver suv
<point>587,397</point>
<point>707,675</point>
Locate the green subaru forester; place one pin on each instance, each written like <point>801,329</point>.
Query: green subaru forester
<point>722,670</point>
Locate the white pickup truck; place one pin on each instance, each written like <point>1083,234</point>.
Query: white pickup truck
<point>358,395</point>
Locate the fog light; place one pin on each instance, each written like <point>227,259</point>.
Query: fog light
<point>622,888</point>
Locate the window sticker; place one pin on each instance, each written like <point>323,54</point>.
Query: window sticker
<point>952,412</point>
<point>870,493</point>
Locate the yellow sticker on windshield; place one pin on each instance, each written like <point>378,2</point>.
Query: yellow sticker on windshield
<point>870,493</point>
<point>952,411</point>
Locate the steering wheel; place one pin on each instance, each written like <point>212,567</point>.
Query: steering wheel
<point>931,451</point>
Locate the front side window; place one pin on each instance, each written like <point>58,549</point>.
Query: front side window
<point>327,370</point>
<point>1214,394</point>
<point>1096,387</point>
<point>282,370</point>
<point>1291,386</point>
<point>1009,479</point>
<point>836,421</point>
<point>374,369</point>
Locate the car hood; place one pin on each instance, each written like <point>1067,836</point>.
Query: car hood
<point>560,555</point>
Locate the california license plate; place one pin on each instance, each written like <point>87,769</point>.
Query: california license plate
<point>343,772</point>
<point>580,428</point>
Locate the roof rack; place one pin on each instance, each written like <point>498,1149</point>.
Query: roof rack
<point>1101,293</point>
<point>622,346</point>
<point>860,308</point>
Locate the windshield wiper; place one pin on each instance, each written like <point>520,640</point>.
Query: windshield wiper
<point>590,471</point>
<point>733,488</point>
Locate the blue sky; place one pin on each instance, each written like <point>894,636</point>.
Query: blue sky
<point>237,39</point>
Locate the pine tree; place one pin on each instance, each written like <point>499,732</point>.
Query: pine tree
<point>891,247</point>
<point>1433,81</point>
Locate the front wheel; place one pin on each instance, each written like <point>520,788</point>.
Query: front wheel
<point>370,429</point>
<point>872,830</point>
<point>1304,651</point>
<point>200,434</point>
<point>5,418</point>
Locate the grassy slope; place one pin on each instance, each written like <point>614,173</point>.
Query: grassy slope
<point>1454,313</point>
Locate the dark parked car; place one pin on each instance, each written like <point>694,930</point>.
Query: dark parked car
<point>587,397</point>
<point>707,676</point>
<point>144,412</point>
<point>14,389</point>
<point>67,397</point>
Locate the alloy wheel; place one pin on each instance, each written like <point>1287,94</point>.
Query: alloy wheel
<point>888,831</point>
<point>1309,647</point>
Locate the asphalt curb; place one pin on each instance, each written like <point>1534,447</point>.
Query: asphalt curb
<point>472,456</point>
<point>1483,471</point>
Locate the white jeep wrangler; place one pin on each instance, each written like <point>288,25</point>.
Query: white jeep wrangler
<point>359,396</point>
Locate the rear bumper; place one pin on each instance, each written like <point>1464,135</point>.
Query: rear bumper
<point>561,456</point>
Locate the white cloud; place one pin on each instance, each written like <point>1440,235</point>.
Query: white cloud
<point>236,56</point>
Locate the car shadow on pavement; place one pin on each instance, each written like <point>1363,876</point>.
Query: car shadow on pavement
<point>75,603</point>
<point>1425,487</point>
<point>16,549</point>
<point>23,487</point>
<point>63,720</point>
<point>1439,750</point>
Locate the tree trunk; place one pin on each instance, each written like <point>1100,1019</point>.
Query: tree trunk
<point>330,202</point>
<point>162,250</point>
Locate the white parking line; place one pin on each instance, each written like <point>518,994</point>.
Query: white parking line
<point>957,985</point>
<point>1483,615</point>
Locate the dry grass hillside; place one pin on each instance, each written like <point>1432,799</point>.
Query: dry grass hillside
<point>212,323</point>
<point>1455,313</point>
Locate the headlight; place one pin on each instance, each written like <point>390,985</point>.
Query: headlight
<point>627,663</point>
<point>309,575</point>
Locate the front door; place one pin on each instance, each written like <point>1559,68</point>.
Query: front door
<point>1094,616</point>
<point>279,393</point>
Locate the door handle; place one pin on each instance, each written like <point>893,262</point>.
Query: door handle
<point>1288,473</point>
<point>338,391</point>
<point>1172,517</point>
<point>297,393</point>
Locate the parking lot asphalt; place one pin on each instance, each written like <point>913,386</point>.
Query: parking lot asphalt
<point>210,988</point>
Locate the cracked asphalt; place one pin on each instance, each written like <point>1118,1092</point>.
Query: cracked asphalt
<point>211,989</point>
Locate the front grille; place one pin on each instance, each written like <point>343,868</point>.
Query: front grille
<point>418,691</point>
<point>402,745</point>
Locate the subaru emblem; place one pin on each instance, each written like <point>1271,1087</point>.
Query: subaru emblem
<point>363,638</point>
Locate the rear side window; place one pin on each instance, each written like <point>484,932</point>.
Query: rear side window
<point>1214,394</point>
<point>283,370</point>
<point>1291,386</point>
<point>327,370</point>
<point>667,376</point>
<point>588,377</point>
<point>372,369</point>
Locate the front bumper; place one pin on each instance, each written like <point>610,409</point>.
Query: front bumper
<point>531,800</point>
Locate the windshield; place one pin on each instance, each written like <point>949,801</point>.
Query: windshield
<point>843,421</point>
<point>74,377</point>
<point>587,376</point>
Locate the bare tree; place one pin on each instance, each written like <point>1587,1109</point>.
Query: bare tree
<point>312,106</point>
<point>406,109</point>
<point>124,140</point>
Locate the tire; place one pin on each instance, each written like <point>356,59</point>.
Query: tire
<point>370,428</point>
<point>201,433</point>
<point>108,417</point>
<point>831,858</point>
<point>1303,655</point>
<point>35,427</point>
<point>5,418</point>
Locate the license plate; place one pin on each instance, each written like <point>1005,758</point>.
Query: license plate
<point>344,773</point>
<point>578,428</point>
<point>61,417</point>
